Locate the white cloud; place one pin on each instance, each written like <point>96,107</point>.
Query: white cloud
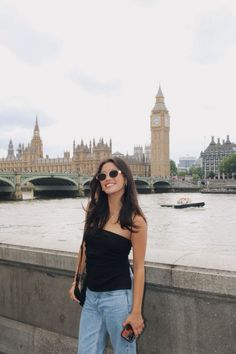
<point>26,43</point>
<point>100,65</point>
<point>215,34</point>
<point>94,85</point>
<point>20,117</point>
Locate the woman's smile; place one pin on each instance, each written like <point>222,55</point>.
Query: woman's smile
<point>109,184</point>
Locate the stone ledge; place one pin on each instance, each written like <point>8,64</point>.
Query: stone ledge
<point>193,279</point>
<point>193,259</point>
<point>17,337</point>
<point>38,256</point>
<point>172,270</point>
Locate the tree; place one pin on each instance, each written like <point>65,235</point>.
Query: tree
<point>228,165</point>
<point>196,171</point>
<point>210,174</point>
<point>181,173</point>
<point>173,168</point>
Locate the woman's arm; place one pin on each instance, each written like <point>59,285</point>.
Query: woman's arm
<point>82,267</point>
<point>139,240</point>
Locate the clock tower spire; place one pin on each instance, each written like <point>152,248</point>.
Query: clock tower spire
<point>36,146</point>
<point>160,128</point>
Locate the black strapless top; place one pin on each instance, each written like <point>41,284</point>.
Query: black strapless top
<point>107,261</point>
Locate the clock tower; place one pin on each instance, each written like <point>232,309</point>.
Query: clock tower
<point>160,128</point>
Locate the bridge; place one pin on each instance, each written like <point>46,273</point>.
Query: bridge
<point>14,185</point>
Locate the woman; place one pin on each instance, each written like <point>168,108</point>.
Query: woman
<point>114,224</point>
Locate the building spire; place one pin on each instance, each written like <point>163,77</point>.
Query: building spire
<point>10,154</point>
<point>159,93</point>
<point>160,104</point>
<point>36,127</point>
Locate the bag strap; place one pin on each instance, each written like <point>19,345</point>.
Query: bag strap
<point>81,257</point>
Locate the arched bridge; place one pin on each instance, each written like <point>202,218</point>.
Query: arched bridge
<point>152,185</point>
<point>14,185</point>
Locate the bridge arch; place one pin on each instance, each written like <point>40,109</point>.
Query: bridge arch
<point>86,186</point>
<point>142,186</point>
<point>5,182</point>
<point>52,186</point>
<point>161,186</point>
<point>45,179</point>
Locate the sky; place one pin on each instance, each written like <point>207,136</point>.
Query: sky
<point>91,69</point>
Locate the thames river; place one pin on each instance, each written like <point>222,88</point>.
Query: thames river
<point>58,223</point>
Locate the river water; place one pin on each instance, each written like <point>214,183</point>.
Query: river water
<point>58,223</point>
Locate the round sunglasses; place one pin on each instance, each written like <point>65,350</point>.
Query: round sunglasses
<point>113,173</point>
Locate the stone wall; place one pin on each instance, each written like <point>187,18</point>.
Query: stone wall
<point>188,309</point>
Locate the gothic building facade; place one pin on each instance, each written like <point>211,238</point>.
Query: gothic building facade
<point>214,154</point>
<point>148,161</point>
<point>84,160</point>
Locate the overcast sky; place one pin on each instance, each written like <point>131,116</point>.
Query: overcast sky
<point>91,69</point>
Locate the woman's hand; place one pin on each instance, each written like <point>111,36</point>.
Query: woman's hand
<point>71,292</point>
<point>136,321</point>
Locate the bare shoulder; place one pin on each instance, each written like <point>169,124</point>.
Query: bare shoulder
<point>139,222</point>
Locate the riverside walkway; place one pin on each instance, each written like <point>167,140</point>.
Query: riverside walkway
<point>189,304</point>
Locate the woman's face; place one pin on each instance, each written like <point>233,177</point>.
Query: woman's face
<point>111,184</point>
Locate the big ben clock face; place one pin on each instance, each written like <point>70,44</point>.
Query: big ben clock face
<point>156,121</point>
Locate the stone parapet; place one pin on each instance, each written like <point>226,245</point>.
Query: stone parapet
<point>189,303</point>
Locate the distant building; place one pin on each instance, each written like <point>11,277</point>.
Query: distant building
<point>118,154</point>
<point>215,153</point>
<point>150,160</point>
<point>84,161</point>
<point>87,157</point>
<point>30,159</point>
<point>11,154</point>
<point>147,153</point>
<point>142,154</point>
<point>138,152</point>
<point>160,130</point>
<point>186,162</point>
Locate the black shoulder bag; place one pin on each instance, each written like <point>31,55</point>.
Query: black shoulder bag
<point>80,281</point>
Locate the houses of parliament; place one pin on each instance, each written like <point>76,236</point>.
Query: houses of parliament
<point>152,160</point>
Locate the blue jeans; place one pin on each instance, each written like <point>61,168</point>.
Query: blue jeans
<point>102,315</point>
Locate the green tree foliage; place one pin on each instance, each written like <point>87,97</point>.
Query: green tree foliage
<point>197,172</point>
<point>181,173</point>
<point>173,168</point>
<point>210,174</point>
<point>228,165</point>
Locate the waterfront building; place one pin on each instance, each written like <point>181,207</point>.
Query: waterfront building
<point>215,153</point>
<point>30,159</point>
<point>87,157</point>
<point>160,129</point>
<point>150,160</point>
<point>84,160</point>
<point>186,162</point>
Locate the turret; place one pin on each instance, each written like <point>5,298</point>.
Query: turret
<point>36,127</point>
<point>10,154</point>
<point>36,146</point>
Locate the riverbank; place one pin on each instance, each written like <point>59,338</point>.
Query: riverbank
<point>218,191</point>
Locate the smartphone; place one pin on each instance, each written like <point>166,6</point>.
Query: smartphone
<point>128,333</point>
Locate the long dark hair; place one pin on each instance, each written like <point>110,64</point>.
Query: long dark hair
<point>98,209</point>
